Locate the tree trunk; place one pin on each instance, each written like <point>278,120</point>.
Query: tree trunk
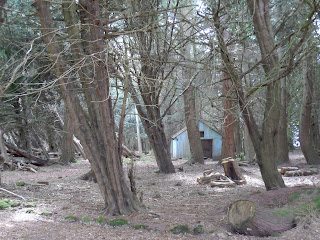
<point>248,146</point>
<point>192,123</point>
<point>248,218</point>
<point>67,148</point>
<point>96,131</point>
<point>309,150</point>
<point>283,146</point>
<point>4,158</point>
<point>228,132</point>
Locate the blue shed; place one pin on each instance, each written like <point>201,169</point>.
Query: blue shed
<point>211,143</point>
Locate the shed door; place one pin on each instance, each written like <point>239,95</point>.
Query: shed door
<point>207,147</point>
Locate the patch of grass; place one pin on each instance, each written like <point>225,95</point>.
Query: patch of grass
<point>127,160</point>
<point>180,229</point>
<point>4,204</point>
<point>71,217</point>
<point>14,204</point>
<point>100,220</point>
<point>313,169</point>
<point>30,204</point>
<point>118,222</point>
<point>282,211</point>
<point>85,219</point>
<point>275,234</point>
<point>198,230</point>
<point>20,183</point>
<point>47,214</point>
<point>295,196</point>
<point>316,201</point>
<point>213,231</point>
<point>140,226</point>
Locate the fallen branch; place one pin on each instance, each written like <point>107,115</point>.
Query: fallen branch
<point>5,190</point>
<point>300,173</point>
<point>22,153</point>
<point>283,170</point>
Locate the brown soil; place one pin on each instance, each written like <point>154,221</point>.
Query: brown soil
<point>170,200</point>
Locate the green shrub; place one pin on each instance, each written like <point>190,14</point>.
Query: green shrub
<point>198,230</point>
<point>180,229</point>
<point>20,183</point>
<point>118,222</point>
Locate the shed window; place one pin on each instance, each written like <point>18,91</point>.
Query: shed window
<point>201,133</point>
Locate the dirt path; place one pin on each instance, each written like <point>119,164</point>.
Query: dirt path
<point>170,200</point>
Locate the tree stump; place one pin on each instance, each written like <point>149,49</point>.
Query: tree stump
<point>232,170</point>
<point>249,219</point>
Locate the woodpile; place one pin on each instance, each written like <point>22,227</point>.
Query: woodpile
<point>20,166</point>
<point>231,178</point>
<point>295,171</point>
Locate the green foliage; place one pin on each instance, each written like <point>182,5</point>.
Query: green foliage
<point>180,229</point>
<point>127,160</point>
<point>140,226</point>
<point>198,230</point>
<point>282,211</point>
<point>47,214</point>
<point>71,217</point>
<point>6,203</point>
<point>100,220</point>
<point>275,234</point>
<point>118,222</point>
<point>20,183</point>
<point>295,196</point>
<point>213,231</point>
<point>85,219</point>
<point>30,204</point>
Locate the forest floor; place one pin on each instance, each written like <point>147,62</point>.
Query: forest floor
<point>170,200</point>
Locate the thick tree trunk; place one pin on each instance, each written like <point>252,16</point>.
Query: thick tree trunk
<point>192,123</point>
<point>248,146</point>
<point>67,148</point>
<point>228,132</point>
<point>283,146</point>
<point>309,150</point>
<point>4,158</point>
<point>159,145</point>
<point>96,131</point>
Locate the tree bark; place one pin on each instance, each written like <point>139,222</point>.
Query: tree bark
<point>283,146</point>
<point>192,123</point>
<point>3,152</point>
<point>309,150</point>
<point>67,148</point>
<point>96,131</point>
<point>228,132</point>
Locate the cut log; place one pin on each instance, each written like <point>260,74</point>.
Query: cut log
<point>222,184</point>
<point>22,153</point>
<point>248,218</point>
<point>300,173</point>
<point>208,179</point>
<point>283,170</point>
<point>232,170</point>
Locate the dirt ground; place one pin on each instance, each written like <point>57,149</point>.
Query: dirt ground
<point>170,200</point>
